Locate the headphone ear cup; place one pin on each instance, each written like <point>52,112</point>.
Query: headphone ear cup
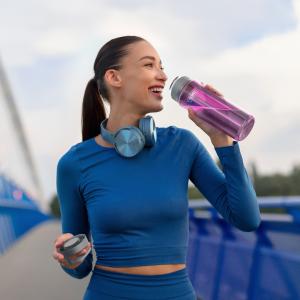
<point>129,141</point>
<point>147,126</point>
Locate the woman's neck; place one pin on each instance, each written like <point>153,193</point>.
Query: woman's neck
<point>119,120</point>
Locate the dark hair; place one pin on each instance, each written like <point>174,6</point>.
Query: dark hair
<point>93,110</point>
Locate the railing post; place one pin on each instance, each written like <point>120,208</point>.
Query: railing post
<point>262,240</point>
<point>227,234</point>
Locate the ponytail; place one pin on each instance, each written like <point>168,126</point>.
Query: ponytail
<point>93,111</point>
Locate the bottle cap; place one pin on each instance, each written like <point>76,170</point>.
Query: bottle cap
<point>177,85</point>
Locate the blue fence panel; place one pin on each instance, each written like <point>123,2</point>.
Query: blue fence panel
<point>226,263</point>
<point>18,213</point>
<point>223,262</point>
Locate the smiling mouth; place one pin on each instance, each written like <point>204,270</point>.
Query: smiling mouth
<point>156,92</point>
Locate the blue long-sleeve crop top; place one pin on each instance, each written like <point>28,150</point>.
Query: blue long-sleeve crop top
<point>135,210</point>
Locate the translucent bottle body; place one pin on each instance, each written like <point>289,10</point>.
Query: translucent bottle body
<point>213,109</point>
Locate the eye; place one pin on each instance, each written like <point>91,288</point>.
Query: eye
<point>151,65</point>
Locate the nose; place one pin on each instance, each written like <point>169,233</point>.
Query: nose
<point>161,75</point>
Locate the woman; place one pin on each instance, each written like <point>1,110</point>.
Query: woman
<point>133,202</point>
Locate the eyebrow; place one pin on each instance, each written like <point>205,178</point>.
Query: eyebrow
<point>150,57</point>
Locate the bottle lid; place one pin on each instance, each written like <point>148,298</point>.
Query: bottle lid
<point>177,85</point>
<point>74,245</point>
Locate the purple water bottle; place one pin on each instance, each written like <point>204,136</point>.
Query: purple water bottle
<point>211,108</point>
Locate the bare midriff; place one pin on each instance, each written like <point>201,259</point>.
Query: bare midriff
<point>145,270</point>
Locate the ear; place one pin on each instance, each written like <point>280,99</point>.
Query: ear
<point>113,77</point>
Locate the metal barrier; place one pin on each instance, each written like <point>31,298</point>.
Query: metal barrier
<point>223,262</point>
<point>18,213</point>
<point>226,263</point>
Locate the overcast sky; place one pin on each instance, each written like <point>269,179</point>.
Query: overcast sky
<point>248,50</point>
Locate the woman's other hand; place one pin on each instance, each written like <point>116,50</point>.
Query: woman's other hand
<point>60,257</point>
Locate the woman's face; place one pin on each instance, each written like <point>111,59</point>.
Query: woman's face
<point>142,79</point>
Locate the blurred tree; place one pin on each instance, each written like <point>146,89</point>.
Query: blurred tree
<point>54,206</point>
<point>265,185</point>
<point>276,184</point>
<point>193,193</point>
<point>295,179</point>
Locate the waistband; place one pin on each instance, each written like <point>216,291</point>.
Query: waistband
<point>179,274</point>
<point>174,285</point>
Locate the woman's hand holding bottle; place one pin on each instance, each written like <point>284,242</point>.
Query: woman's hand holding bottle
<point>217,137</point>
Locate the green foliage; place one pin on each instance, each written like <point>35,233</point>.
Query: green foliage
<point>276,184</point>
<point>273,210</point>
<point>193,193</point>
<point>266,185</point>
<point>54,206</point>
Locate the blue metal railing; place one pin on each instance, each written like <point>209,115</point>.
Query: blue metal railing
<point>19,213</point>
<point>226,263</point>
<point>223,262</point>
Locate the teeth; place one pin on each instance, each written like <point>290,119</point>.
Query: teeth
<point>156,89</point>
